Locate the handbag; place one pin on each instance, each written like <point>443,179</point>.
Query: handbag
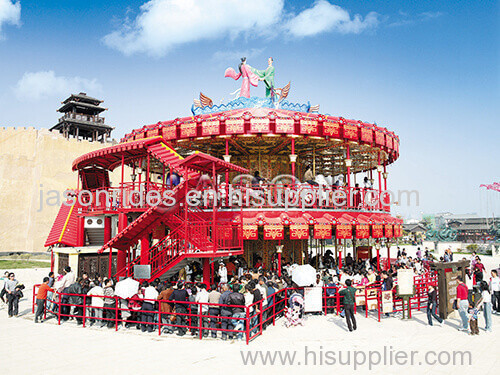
<point>455,305</point>
<point>173,317</point>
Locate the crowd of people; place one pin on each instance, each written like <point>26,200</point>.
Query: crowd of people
<point>185,303</point>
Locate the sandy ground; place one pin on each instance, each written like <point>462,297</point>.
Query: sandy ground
<point>47,348</point>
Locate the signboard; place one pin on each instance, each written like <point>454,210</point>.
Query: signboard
<point>313,299</point>
<point>405,282</point>
<point>451,288</point>
<point>142,271</point>
<point>371,299</point>
<point>360,297</point>
<point>387,303</point>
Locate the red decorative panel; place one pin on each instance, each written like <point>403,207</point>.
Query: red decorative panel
<point>331,129</point>
<point>259,125</point>
<point>344,231</point>
<point>309,127</point>
<point>299,231</point>
<point>322,231</point>
<point>188,130</point>
<point>397,231</point>
<point>284,125</point>
<point>235,126</point>
<point>351,131</point>
<point>367,135</point>
<point>388,142</point>
<point>152,133</point>
<point>396,145</point>
<point>388,230</point>
<point>274,232</point>
<point>211,127</point>
<point>250,232</point>
<point>169,132</point>
<point>377,231</point>
<point>362,231</point>
<point>379,138</point>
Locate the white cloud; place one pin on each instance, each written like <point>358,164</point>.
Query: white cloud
<point>324,17</point>
<point>10,13</point>
<point>162,25</point>
<point>44,84</point>
<point>165,24</point>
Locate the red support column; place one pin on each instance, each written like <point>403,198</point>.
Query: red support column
<point>145,249</point>
<point>121,255</point>
<point>123,171</point>
<point>293,153</point>
<point>388,256</point>
<point>206,272</point>
<point>340,254</point>
<point>379,170</point>
<point>214,210</point>
<point>378,259</point>
<point>81,231</point>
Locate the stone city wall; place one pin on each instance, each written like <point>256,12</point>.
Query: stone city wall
<point>31,161</point>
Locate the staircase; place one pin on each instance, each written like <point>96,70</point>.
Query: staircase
<point>170,157</point>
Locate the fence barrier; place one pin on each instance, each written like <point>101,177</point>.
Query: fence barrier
<point>202,319</point>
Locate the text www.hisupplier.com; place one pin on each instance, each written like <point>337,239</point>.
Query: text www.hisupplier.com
<point>356,359</point>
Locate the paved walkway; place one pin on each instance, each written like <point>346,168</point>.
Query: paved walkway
<point>47,348</point>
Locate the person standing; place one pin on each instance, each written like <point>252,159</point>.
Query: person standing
<point>12,299</point>
<point>495,291</point>
<point>166,307</point>
<point>213,311</point>
<point>202,298</point>
<point>349,293</point>
<point>463,303</point>
<point>150,296</point>
<point>432,304</point>
<point>387,284</point>
<point>225,313</point>
<point>41,297</point>
<point>97,303</point>
<point>485,302</point>
<point>237,302</point>
<point>109,303</point>
<point>222,273</point>
<point>180,296</point>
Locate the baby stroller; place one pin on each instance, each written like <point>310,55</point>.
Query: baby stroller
<point>295,311</point>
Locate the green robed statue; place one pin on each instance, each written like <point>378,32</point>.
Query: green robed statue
<point>267,76</point>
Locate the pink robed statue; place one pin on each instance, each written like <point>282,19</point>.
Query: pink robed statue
<point>248,77</point>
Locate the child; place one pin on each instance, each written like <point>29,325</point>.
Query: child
<point>473,314</point>
<point>15,296</point>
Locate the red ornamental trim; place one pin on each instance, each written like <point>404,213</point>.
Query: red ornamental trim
<point>322,231</point>
<point>362,231</point>
<point>250,232</point>
<point>367,135</point>
<point>299,232</point>
<point>188,130</point>
<point>331,129</point>
<point>396,145</point>
<point>259,125</point>
<point>211,127</point>
<point>388,230</point>
<point>377,231</point>
<point>274,232</point>
<point>235,126</point>
<point>169,132</point>
<point>379,138</point>
<point>309,127</point>
<point>344,231</point>
<point>350,131</point>
<point>284,125</point>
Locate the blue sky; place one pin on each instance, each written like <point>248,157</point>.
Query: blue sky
<point>428,70</point>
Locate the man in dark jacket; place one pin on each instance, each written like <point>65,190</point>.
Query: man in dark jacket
<point>432,304</point>
<point>237,301</point>
<point>225,312</point>
<point>75,292</point>
<point>349,294</point>
<point>180,295</point>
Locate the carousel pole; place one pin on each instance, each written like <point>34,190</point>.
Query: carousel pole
<point>314,160</point>
<point>279,250</point>
<point>379,170</point>
<point>293,157</point>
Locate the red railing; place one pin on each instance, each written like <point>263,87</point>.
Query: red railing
<point>198,319</point>
<point>133,195</point>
